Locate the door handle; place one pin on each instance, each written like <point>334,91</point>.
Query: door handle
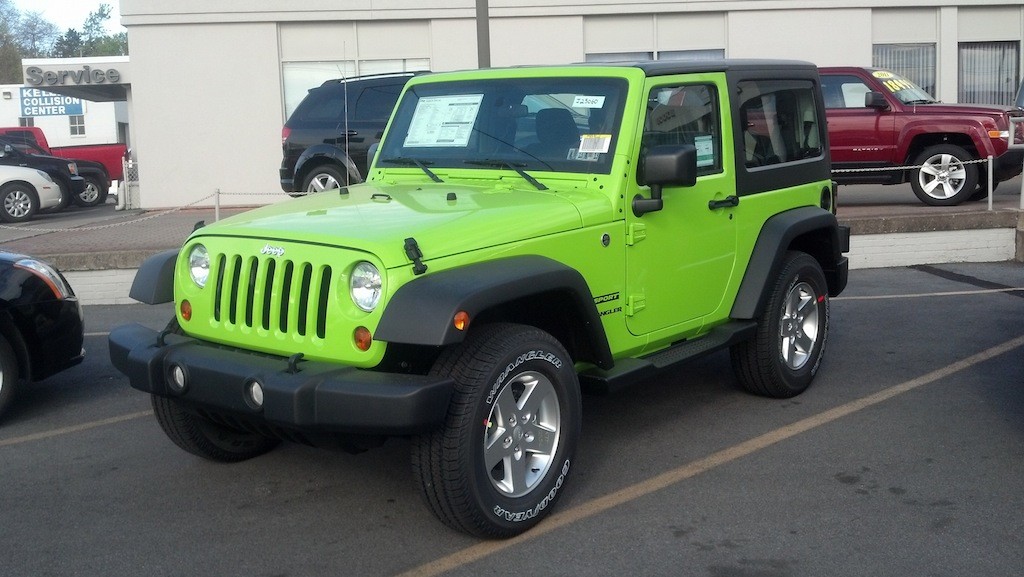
<point>727,202</point>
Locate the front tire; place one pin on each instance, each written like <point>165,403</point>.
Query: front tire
<point>944,178</point>
<point>205,438</point>
<point>498,465</point>
<point>20,202</point>
<point>783,357</point>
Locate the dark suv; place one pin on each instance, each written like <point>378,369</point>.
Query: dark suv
<point>63,171</point>
<point>326,140</point>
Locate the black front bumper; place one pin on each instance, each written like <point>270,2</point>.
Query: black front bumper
<point>1007,165</point>
<point>318,397</point>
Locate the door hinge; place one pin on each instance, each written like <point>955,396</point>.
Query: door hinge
<point>637,232</point>
<point>635,304</point>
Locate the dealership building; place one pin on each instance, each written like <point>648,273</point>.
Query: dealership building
<point>211,82</point>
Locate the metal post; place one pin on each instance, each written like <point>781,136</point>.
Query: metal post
<point>990,185</point>
<point>216,205</point>
<point>483,35</point>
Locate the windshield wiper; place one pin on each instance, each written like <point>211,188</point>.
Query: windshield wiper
<point>511,165</point>
<point>409,161</point>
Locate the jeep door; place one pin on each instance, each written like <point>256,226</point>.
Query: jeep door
<point>680,259</point>
<point>860,136</point>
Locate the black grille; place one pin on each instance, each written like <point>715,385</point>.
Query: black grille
<point>272,294</point>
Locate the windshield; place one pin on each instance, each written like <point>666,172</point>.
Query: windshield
<point>558,124</point>
<point>904,90</point>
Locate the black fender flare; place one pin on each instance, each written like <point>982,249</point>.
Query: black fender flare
<point>779,234</point>
<point>312,157</point>
<point>422,311</point>
<point>154,281</point>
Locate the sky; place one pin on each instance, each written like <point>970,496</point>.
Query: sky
<point>72,13</point>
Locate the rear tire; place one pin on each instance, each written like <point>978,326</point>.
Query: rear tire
<point>95,193</point>
<point>783,357</point>
<point>19,202</point>
<point>324,178</point>
<point>497,466</point>
<point>944,179</point>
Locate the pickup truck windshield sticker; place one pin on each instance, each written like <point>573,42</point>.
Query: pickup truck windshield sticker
<point>588,102</point>
<point>443,121</point>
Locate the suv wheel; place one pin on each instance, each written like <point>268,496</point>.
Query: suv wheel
<point>20,202</point>
<point>324,178</point>
<point>781,360</point>
<point>944,178</point>
<point>499,463</point>
<point>95,193</point>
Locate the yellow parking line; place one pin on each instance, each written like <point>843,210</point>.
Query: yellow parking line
<point>694,468</point>
<point>72,429</point>
<point>920,295</point>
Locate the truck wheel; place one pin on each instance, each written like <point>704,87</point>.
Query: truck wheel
<point>205,438</point>
<point>9,375</point>
<point>20,202</point>
<point>95,193</point>
<point>498,464</point>
<point>324,178</point>
<point>781,360</point>
<point>944,179</point>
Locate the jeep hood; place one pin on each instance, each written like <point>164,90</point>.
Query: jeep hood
<point>444,218</point>
<point>956,110</point>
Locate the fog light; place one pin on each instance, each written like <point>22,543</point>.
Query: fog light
<point>255,391</point>
<point>176,380</point>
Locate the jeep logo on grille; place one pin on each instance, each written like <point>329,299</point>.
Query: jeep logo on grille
<point>272,250</point>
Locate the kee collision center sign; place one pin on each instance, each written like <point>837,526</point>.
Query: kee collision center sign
<point>36,102</point>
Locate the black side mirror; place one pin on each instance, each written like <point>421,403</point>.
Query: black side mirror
<point>669,164</point>
<point>875,100</point>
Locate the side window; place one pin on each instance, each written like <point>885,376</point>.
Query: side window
<point>843,91</point>
<point>376,102</point>
<point>686,114</point>
<point>778,122</point>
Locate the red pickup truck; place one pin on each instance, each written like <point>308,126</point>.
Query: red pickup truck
<point>879,120</point>
<point>98,176</point>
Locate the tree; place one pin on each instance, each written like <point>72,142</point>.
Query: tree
<point>36,35</point>
<point>69,45</point>
<point>10,51</point>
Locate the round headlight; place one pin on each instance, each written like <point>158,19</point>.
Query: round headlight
<point>199,265</point>
<point>364,286</point>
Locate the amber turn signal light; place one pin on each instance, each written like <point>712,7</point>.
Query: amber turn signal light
<point>186,310</point>
<point>461,320</point>
<point>362,338</point>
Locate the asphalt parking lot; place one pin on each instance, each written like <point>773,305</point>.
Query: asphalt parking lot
<point>904,458</point>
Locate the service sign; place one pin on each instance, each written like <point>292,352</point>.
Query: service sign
<point>36,102</point>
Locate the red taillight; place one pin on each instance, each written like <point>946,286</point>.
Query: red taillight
<point>285,131</point>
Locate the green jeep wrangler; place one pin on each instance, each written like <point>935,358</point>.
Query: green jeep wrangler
<point>524,234</point>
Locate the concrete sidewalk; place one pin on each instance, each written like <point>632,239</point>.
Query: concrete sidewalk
<point>98,249</point>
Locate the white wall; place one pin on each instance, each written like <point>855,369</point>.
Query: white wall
<point>207,112</point>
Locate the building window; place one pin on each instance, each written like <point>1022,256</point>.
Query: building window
<point>916,62</point>
<point>988,72</point>
<point>709,54</point>
<point>27,121</point>
<point>620,57</point>
<point>76,122</point>
<point>299,77</point>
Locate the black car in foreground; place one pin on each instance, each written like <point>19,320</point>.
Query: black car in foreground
<point>41,324</point>
<point>326,141</point>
